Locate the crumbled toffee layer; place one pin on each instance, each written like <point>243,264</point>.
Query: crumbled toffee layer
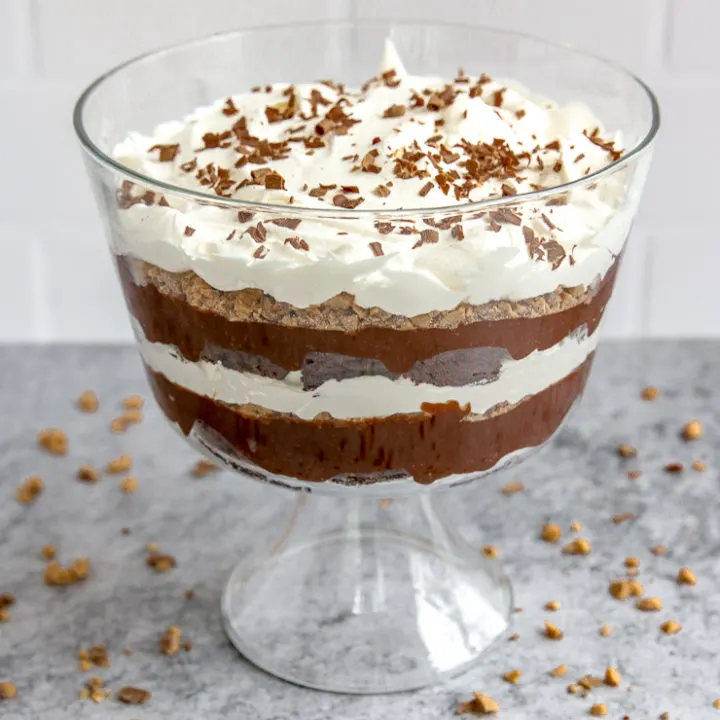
<point>169,318</point>
<point>339,312</point>
<point>442,440</point>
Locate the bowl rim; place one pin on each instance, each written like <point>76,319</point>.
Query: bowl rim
<point>108,161</point>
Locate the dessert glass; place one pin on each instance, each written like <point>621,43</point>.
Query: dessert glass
<point>371,585</point>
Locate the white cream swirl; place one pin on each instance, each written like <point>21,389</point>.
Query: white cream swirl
<point>334,249</point>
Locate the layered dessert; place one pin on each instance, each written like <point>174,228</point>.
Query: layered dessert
<point>401,280</point>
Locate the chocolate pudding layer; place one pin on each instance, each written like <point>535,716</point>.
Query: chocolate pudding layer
<point>439,441</point>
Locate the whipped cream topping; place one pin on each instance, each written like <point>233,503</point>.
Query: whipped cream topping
<point>400,142</point>
<point>368,396</point>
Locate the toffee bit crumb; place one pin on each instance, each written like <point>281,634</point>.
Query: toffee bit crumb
<point>28,491</point>
<point>658,550</point>
<point>202,468</point>
<point>513,487</point>
<point>6,600</point>
<point>626,451</point>
<point>576,526</point>
<point>551,533</point>
<point>119,465</point>
<point>513,637</point>
<point>98,655</point>
<point>160,562</point>
<point>5,615</point>
<point>84,662</point>
<point>599,710</point>
<point>716,704</point>
<point>620,589</point>
<point>118,425</point>
<point>671,627</point>
<point>133,696</point>
<point>125,531</point>
<point>651,604</point>
<point>612,677</point>
<point>188,645</point>
<point>87,473</point>
<point>606,631</point>
<point>589,682</point>
<point>650,393</point>
<point>581,546</point>
<point>674,468</point>
<point>632,562</point>
<point>634,474</point>
<point>425,189</point>
<point>698,466</point>
<point>512,676</point>
<point>480,705</point>
<point>190,594</point>
<point>692,430</point>
<point>559,671</point>
<point>552,605</point>
<point>686,577</point>
<point>129,485</point>
<point>636,588</point>
<point>490,551</point>
<point>88,402</point>
<point>133,402</point>
<point>622,517</point>
<point>56,574</point>
<point>129,417</point>
<point>552,631</point>
<point>170,642</point>
<point>53,441</point>
<point>7,690</point>
<point>574,689</point>
<point>48,552</point>
<point>377,249</point>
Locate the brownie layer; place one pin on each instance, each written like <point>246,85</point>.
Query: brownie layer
<point>440,441</point>
<point>171,319</point>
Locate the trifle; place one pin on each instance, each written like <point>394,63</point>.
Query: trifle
<point>357,345</point>
<point>369,288</point>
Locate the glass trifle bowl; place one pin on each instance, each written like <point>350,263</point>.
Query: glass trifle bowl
<point>371,291</point>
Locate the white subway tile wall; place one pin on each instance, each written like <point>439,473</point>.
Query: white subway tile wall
<point>58,283</point>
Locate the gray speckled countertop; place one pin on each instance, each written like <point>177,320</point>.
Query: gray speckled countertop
<point>208,524</point>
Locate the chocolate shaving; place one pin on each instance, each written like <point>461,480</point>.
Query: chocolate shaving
<point>260,252</point>
<point>189,231</point>
<point>498,97</point>
<point>457,232</point>
<point>298,243</point>
<point>394,111</point>
<point>350,188</point>
<point>217,140</point>
<point>344,201</point>
<point>382,191</point>
<point>229,108</point>
<point>554,145</point>
<point>384,228</point>
<point>189,166</point>
<point>427,237</point>
<point>425,189</point>
<point>167,153</point>
<point>257,233</point>
<point>555,253</point>
<point>508,190</point>
<point>533,243</point>
<point>245,216</point>
<point>274,181</point>
<point>289,223</point>
<point>505,216</point>
<point>520,114</point>
<point>368,162</point>
<point>376,248</point>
